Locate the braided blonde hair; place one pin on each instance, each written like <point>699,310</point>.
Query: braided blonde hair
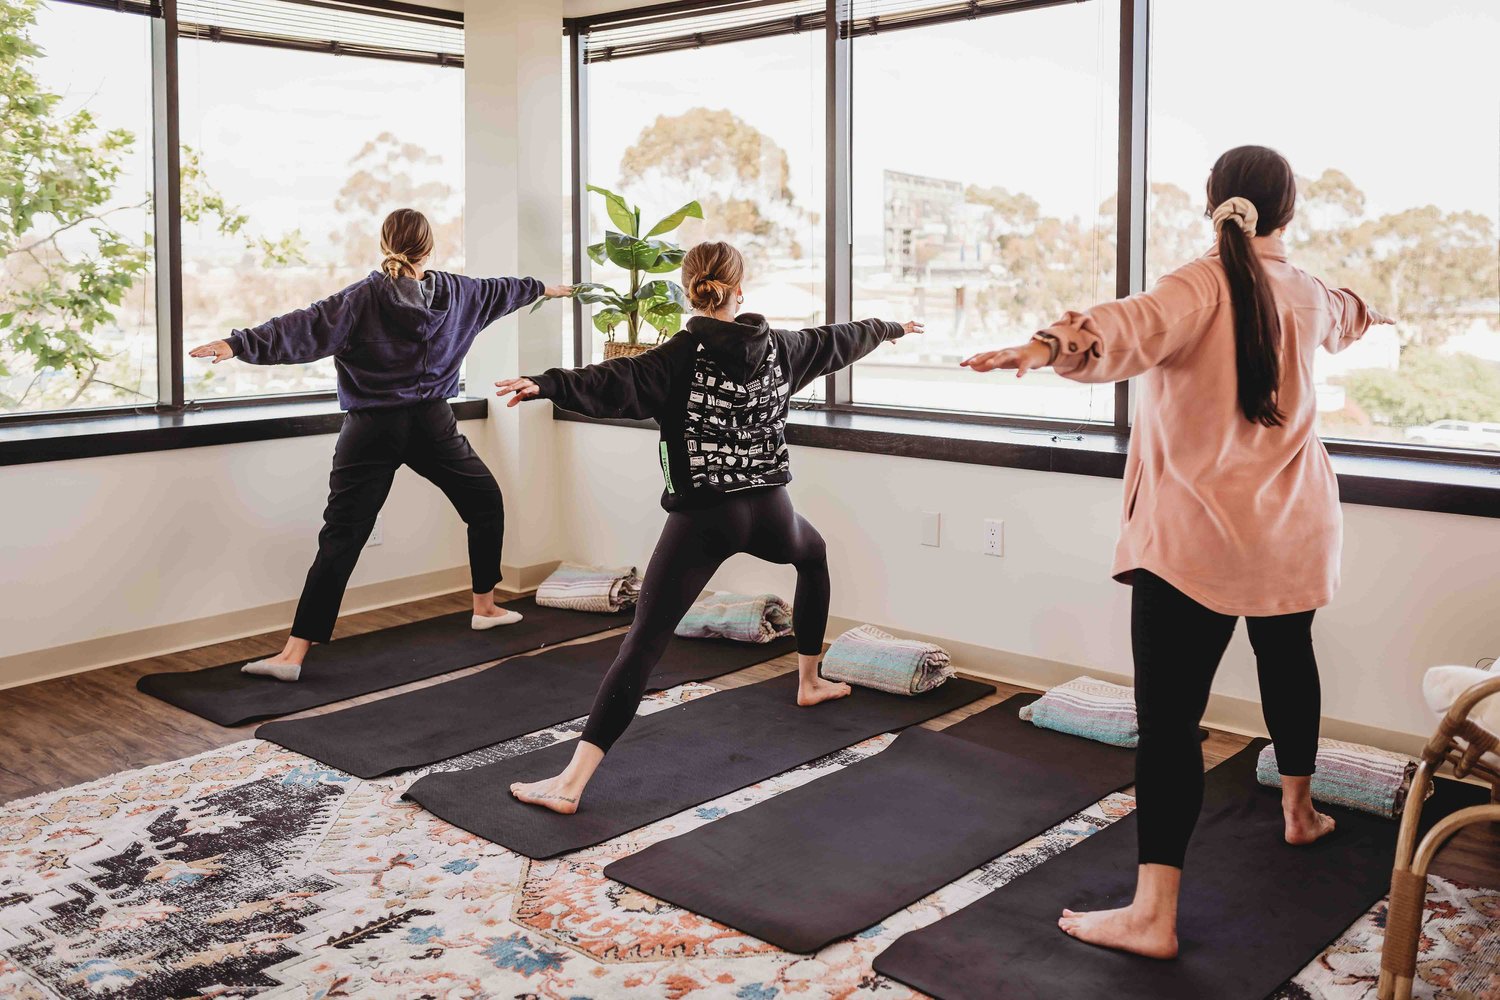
<point>406,241</point>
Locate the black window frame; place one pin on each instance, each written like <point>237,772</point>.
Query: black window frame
<point>1132,194</point>
<point>24,428</point>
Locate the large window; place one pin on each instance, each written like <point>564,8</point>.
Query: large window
<point>737,127</point>
<point>308,151</point>
<point>77,311</point>
<point>297,125</point>
<point>981,186</point>
<point>983,175</point>
<point>1399,186</point>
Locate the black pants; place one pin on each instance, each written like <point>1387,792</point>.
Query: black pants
<point>692,546</point>
<point>372,445</point>
<point>1178,644</point>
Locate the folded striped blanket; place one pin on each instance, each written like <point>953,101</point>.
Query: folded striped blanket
<point>590,588</point>
<point>1095,710</point>
<point>1351,774</point>
<point>871,658</point>
<point>742,617</point>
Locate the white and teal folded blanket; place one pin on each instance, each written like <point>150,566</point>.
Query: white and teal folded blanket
<point>1351,774</point>
<point>1095,710</point>
<point>590,588</point>
<point>742,617</point>
<point>871,658</point>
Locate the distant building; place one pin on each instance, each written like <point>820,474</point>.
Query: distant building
<point>925,223</point>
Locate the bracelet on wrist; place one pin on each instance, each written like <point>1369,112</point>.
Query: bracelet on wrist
<point>1053,344</point>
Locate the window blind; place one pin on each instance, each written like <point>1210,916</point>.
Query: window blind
<point>383,31</point>
<point>869,17</point>
<point>647,30</point>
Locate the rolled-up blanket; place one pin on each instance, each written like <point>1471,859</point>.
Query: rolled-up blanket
<point>590,588</point>
<point>742,617</point>
<point>1095,710</point>
<point>1351,774</point>
<point>871,658</point>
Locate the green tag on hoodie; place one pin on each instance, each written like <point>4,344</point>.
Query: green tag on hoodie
<point>666,467</point>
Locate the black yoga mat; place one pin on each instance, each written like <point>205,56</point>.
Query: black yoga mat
<point>675,759</point>
<point>373,661</point>
<point>1254,909</point>
<point>510,699</point>
<point>834,856</point>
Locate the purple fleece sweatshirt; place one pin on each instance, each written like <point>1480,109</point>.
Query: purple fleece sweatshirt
<point>389,346</point>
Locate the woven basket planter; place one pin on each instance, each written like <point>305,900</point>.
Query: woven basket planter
<point>624,349</point>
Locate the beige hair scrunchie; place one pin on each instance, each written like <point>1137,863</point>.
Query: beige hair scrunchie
<point>1241,211</point>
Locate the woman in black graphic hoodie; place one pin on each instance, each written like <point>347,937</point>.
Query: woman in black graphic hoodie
<point>397,338</point>
<point>720,391</point>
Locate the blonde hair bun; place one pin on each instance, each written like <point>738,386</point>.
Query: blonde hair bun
<point>710,274</point>
<point>406,241</point>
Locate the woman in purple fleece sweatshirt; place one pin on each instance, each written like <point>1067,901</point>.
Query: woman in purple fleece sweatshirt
<point>397,338</point>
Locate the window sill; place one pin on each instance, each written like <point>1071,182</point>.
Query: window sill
<point>1372,480</point>
<point>54,440</point>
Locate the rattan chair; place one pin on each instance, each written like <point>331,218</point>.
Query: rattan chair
<point>1461,742</point>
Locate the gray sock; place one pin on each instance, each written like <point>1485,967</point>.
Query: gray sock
<point>280,671</point>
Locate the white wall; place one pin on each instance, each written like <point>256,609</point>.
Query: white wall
<point>166,537</point>
<point>1419,588</point>
<point>100,546</point>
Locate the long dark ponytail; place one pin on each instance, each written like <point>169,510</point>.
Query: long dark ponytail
<point>1263,178</point>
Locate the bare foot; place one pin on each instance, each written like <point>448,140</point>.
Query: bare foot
<point>817,691</point>
<point>1307,826</point>
<point>552,793</point>
<point>1125,929</point>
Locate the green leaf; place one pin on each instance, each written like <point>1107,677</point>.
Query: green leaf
<point>691,210</point>
<point>620,213</point>
<point>659,291</point>
<point>666,317</point>
<point>596,253</point>
<point>670,259</point>
<point>606,320</point>
<point>631,253</point>
<point>590,292</point>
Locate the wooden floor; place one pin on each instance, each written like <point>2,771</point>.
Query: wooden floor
<point>84,726</point>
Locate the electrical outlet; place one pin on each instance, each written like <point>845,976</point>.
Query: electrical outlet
<point>993,541</point>
<point>932,528</point>
<point>375,536</point>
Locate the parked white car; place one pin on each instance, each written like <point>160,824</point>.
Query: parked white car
<point>1456,434</point>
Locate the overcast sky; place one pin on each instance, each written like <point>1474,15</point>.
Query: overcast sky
<point>1402,96</point>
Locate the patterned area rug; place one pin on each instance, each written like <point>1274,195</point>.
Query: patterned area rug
<point>253,871</point>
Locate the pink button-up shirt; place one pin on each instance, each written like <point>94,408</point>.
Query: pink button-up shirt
<point>1244,519</point>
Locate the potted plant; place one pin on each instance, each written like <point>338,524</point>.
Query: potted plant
<point>657,303</point>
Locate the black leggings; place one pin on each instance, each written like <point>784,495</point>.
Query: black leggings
<point>692,546</point>
<point>1178,644</point>
<point>372,445</point>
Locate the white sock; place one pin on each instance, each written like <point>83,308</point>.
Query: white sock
<point>480,622</point>
<point>280,671</point>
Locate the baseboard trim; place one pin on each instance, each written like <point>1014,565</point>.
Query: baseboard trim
<point>1234,715</point>
<point>122,647</point>
<point>524,579</point>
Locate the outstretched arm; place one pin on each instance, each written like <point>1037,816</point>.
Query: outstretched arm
<point>823,349</point>
<point>632,387</point>
<point>319,331</point>
<point>492,298</point>
<point>1115,340</point>
<point>1352,317</point>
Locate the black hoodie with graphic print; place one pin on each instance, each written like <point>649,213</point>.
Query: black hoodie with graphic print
<point>720,392</point>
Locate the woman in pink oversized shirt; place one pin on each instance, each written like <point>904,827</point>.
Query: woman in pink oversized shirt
<point>1231,508</point>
